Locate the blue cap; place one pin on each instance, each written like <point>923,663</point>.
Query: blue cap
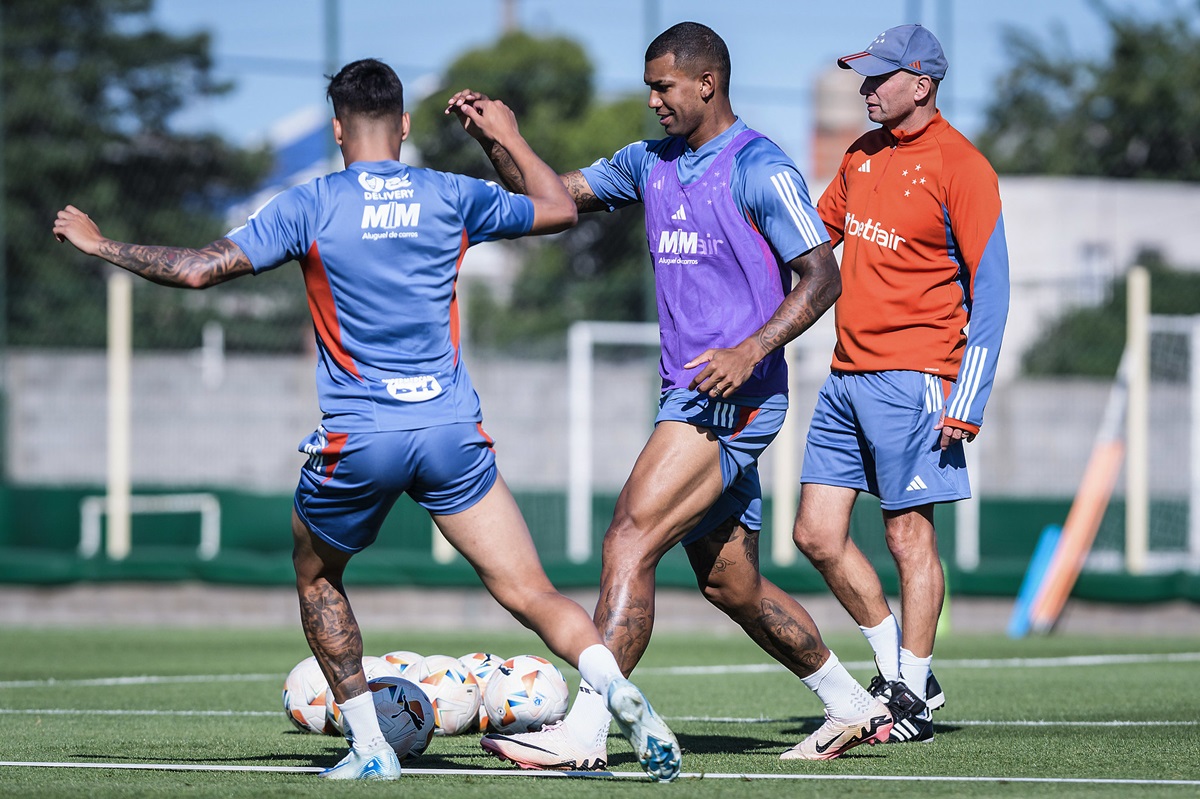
<point>908,47</point>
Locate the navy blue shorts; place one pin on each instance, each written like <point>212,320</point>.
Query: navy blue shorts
<point>743,431</point>
<point>874,432</point>
<point>351,480</point>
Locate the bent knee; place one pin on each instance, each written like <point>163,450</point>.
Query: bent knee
<point>912,549</point>
<point>734,598</point>
<point>914,540</point>
<point>627,542</point>
<point>818,545</point>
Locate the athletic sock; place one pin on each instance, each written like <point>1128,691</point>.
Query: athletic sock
<point>884,638</point>
<point>598,667</point>
<point>588,720</point>
<point>361,723</point>
<point>843,697</point>
<point>915,672</point>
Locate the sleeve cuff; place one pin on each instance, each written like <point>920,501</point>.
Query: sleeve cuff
<point>973,429</point>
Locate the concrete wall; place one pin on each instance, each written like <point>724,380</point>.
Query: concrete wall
<point>241,430</point>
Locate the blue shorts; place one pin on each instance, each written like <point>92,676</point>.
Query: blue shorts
<point>743,431</point>
<point>874,432</point>
<point>351,480</point>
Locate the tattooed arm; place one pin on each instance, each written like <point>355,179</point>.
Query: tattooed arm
<point>183,267</point>
<point>818,287</point>
<point>506,168</point>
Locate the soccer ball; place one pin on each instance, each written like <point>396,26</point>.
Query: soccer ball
<point>454,692</point>
<point>409,663</point>
<point>405,714</point>
<point>372,667</point>
<point>482,665</point>
<point>525,693</point>
<point>304,693</point>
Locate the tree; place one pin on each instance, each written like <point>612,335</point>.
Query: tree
<point>1133,113</point>
<point>597,270</point>
<point>89,88</point>
<point>1089,341</point>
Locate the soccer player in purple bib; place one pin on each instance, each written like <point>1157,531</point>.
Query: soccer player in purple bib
<point>380,244</point>
<point>728,220</point>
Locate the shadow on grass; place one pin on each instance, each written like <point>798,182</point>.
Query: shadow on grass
<point>289,759</point>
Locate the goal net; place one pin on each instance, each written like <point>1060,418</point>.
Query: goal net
<point>1168,476</point>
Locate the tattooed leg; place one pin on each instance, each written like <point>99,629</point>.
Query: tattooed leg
<point>726,567</point>
<point>325,613</point>
<point>625,610</point>
<point>676,479</point>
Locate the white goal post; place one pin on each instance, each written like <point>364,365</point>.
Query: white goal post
<point>118,503</point>
<point>582,339</point>
<point>1159,377</point>
<point>1139,468</point>
<point>120,358</point>
<point>93,509</point>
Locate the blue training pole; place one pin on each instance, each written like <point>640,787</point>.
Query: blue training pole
<point>1043,553</point>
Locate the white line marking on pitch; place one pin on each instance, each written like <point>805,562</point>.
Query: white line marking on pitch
<point>456,772</point>
<point>58,711</point>
<point>981,663</point>
<point>145,680</point>
<point>748,668</point>
<point>946,722</point>
<point>13,711</point>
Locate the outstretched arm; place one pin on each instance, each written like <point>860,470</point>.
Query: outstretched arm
<point>818,287</point>
<point>507,170</point>
<point>182,267</point>
<point>493,121</point>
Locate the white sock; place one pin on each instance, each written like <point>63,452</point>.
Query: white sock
<point>843,697</point>
<point>598,667</point>
<point>589,719</point>
<point>915,672</point>
<point>884,638</point>
<point>361,723</point>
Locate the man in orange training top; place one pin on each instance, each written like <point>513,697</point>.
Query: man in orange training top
<point>917,210</point>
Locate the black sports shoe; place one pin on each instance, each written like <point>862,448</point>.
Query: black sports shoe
<point>879,688</point>
<point>912,720</point>
<point>935,697</point>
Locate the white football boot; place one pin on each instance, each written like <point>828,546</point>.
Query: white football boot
<point>553,747</point>
<point>378,764</point>
<point>653,743</point>
<point>834,738</point>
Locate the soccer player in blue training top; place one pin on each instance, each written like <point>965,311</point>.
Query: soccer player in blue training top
<point>379,244</point>
<point>728,220</point>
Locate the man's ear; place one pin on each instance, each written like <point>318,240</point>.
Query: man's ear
<point>708,86</point>
<point>405,125</point>
<point>923,89</point>
<point>337,131</point>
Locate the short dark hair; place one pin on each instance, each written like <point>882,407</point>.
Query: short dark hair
<point>696,47</point>
<point>368,88</point>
